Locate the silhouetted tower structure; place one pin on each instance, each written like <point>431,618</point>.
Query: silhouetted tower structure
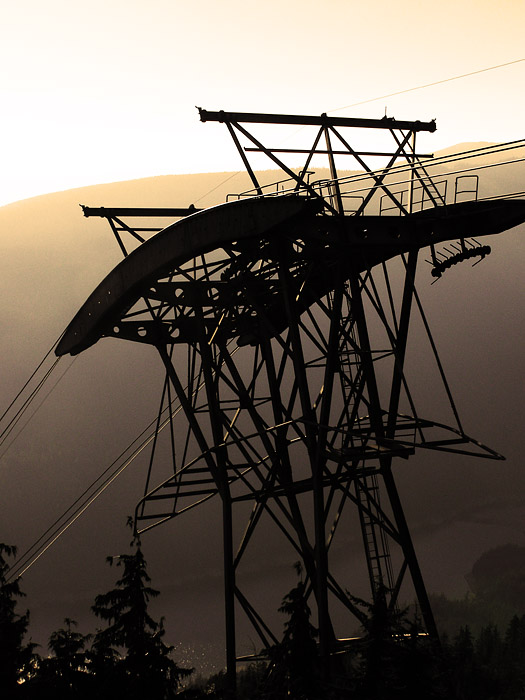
<point>283,333</point>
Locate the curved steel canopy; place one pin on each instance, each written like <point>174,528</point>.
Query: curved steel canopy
<point>193,235</point>
<point>368,239</point>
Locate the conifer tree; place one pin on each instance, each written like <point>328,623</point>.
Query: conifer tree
<point>513,663</point>
<point>65,673</point>
<point>146,669</point>
<point>394,661</point>
<point>15,655</point>
<point>297,654</point>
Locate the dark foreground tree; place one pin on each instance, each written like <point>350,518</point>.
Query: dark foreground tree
<point>15,656</point>
<point>299,648</point>
<point>143,667</point>
<point>65,673</point>
<point>394,660</point>
<point>293,670</point>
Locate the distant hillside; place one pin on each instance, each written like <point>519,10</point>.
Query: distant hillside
<point>74,252</point>
<point>53,257</point>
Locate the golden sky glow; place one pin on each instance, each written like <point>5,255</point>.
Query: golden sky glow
<point>106,90</point>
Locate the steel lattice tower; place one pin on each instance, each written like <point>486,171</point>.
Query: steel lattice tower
<point>283,337</point>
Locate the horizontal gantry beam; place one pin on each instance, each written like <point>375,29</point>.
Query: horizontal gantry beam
<point>322,120</point>
<point>147,212</point>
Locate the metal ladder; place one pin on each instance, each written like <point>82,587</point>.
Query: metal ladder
<point>366,485</point>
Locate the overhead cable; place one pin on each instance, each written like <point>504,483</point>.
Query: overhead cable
<point>4,414</point>
<point>426,85</point>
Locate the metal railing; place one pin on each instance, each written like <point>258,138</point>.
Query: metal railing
<point>427,190</point>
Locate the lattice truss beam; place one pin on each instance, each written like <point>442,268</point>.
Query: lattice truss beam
<point>400,186</point>
<point>340,194</point>
<point>272,349</point>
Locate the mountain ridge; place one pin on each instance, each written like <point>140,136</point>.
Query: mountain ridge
<point>222,177</point>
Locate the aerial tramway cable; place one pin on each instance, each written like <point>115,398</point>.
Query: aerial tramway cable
<point>34,392</point>
<point>86,498</point>
<point>28,402</point>
<point>436,82</point>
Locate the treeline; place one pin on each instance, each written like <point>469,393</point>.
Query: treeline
<point>391,661</point>
<point>496,593</point>
<point>127,656</point>
<point>490,666</point>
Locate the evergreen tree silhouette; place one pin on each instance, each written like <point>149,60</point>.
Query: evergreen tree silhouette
<point>393,660</point>
<point>513,662</point>
<point>16,657</point>
<point>103,664</point>
<point>65,674</point>
<point>296,658</point>
<point>146,669</point>
<point>466,672</point>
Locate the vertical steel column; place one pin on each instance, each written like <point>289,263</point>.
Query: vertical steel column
<point>333,173</point>
<point>379,429</point>
<point>325,642</point>
<point>365,353</point>
<point>412,163</point>
<point>408,549</point>
<point>227,522</point>
<point>282,463</point>
<point>311,434</point>
<point>212,395</point>
<point>229,594</point>
<point>386,463</point>
<point>401,342</point>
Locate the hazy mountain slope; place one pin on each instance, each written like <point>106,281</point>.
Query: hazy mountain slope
<point>52,259</point>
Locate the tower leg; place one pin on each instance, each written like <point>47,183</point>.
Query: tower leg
<point>379,427</point>
<point>229,597</point>
<point>409,552</point>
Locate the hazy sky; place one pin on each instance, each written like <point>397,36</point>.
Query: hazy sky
<point>106,90</point>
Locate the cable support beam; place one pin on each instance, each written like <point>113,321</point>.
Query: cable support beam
<point>111,212</point>
<point>323,120</point>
